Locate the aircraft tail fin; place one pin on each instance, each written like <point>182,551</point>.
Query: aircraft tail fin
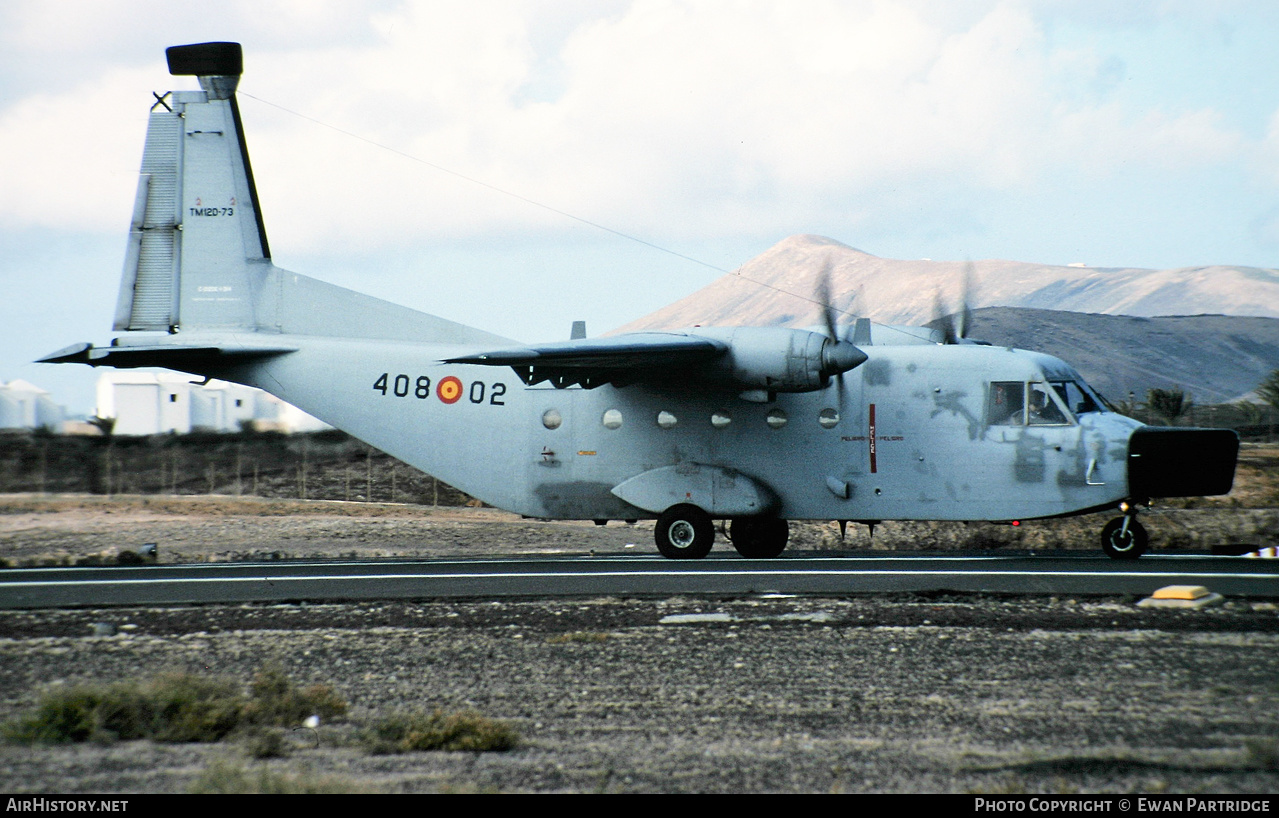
<point>198,257</point>
<point>196,240</point>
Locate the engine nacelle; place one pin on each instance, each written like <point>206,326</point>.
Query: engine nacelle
<point>778,359</point>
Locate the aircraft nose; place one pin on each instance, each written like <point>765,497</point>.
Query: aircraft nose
<point>840,356</point>
<point>1166,462</point>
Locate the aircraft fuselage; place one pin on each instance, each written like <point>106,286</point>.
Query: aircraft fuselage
<point>912,435</point>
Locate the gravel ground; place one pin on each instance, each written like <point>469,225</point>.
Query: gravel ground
<point>940,693</point>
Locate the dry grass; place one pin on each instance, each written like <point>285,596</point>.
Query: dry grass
<point>178,707</point>
<point>173,707</point>
<point>464,731</point>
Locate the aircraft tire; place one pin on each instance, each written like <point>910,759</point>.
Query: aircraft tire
<point>1119,546</point>
<point>684,532</point>
<point>759,538</point>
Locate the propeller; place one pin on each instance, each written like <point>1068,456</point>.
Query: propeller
<point>955,325</point>
<point>838,354</point>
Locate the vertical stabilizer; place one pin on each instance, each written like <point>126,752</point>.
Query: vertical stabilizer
<point>197,250</point>
<point>198,257</point>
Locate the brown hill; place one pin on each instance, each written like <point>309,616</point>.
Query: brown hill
<point>776,289</point>
<point>1219,338</point>
<point>1214,358</point>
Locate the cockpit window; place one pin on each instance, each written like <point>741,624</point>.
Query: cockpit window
<point>1077,397</point>
<point>1041,409</point>
<point>1007,404</point>
<point>1014,403</point>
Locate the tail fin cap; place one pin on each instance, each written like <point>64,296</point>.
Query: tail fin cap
<point>218,65</point>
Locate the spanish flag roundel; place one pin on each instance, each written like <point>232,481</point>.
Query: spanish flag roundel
<point>449,390</point>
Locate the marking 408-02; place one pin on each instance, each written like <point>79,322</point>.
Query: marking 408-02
<point>449,390</point>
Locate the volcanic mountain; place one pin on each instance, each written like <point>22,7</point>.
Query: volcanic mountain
<point>1098,318</point>
<point>776,288</point>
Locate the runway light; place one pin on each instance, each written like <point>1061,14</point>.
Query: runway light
<point>1181,596</point>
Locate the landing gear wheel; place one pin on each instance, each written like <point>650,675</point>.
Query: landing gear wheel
<point>684,532</point>
<point>1121,544</point>
<point>759,538</point>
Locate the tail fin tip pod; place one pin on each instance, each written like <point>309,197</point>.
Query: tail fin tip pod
<point>206,60</point>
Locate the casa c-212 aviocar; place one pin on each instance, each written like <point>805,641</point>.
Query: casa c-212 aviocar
<point>755,426</point>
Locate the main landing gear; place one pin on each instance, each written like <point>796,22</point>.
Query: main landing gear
<point>759,538</point>
<point>685,532</point>
<point>1124,538</point>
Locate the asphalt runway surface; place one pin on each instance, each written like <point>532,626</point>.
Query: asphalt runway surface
<point>625,575</point>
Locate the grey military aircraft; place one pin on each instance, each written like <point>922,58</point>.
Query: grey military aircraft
<point>750,425</point>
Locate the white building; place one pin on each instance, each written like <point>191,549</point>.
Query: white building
<point>26,406</point>
<point>149,403</point>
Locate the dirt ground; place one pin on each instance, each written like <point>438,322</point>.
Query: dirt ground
<point>943,693</point>
<point>52,528</point>
<point>65,529</point>
<point>909,694</point>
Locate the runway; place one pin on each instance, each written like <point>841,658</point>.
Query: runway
<point>624,575</point>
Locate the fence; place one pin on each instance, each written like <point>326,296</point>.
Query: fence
<point>318,466</point>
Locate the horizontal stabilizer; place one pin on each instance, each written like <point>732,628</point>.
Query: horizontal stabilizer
<point>170,356</point>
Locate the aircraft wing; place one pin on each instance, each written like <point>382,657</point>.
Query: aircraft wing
<point>619,360</point>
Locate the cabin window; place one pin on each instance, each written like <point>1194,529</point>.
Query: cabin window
<point>552,418</point>
<point>776,418</point>
<point>173,398</point>
<point>666,420</point>
<point>612,419</point>
<point>828,418</point>
<point>721,419</point>
<point>1007,404</point>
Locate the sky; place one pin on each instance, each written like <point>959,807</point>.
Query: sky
<point>520,165</point>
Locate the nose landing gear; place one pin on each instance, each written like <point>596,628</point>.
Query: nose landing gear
<point>1124,538</point>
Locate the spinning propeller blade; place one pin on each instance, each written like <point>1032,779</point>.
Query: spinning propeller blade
<point>824,299</point>
<point>955,325</point>
<point>838,355</point>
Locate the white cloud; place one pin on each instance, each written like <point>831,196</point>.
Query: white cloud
<point>657,117</point>
<point>71,159</point>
